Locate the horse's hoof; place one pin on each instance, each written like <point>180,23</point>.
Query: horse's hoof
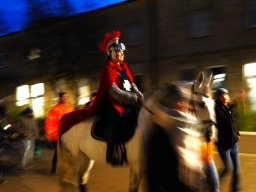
<point>83,188</point>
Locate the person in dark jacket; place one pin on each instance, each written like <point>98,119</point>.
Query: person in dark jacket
<point>228,136</point>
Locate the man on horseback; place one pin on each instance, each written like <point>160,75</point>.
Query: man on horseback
<point>117,96</point>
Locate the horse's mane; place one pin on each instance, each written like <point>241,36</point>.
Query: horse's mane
<point>177,90</point>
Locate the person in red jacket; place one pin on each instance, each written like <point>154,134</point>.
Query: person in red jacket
<point>52,123</point>
<point>117,95</point>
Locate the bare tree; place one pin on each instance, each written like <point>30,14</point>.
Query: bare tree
<point>3,26</point>
<point>37,10</point>
<point>65,7</point>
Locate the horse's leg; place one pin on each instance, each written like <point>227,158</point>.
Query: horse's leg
<point>135,178</point>
<point>65,169</point>
<point>84,176</point>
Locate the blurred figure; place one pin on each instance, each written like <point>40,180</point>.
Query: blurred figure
<point>5,124</point>
<point>241,102</point>
<point>117,96</point>
<point>52,124</point>
<point>209,167</point>
<point>162,159</point>
<point>228,137</point>
<point>5,119</point>
<point>28,128</point>
<point>244,116</point>
<point>92,98</point>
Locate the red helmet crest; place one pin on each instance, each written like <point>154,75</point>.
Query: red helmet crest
<point>109,39</point>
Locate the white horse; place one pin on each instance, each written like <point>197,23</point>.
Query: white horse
<point>78,150</point>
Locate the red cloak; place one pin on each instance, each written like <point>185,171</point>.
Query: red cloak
<point>108,76</point>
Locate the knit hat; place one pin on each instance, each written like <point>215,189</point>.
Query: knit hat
<point>219,91</point>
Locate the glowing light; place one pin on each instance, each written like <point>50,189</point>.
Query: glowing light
<point>22,92</point>
<point>218,76</point>
<point>7,126</point>
<point>37,89</point>
<point>249,69</point>
<point>37,105</point>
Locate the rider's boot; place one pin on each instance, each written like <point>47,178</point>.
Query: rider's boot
<point>111,155</point>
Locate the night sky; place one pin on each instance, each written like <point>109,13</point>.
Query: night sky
<point>14,13</point>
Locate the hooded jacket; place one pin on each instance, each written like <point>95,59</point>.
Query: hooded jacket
<point>227,130</point>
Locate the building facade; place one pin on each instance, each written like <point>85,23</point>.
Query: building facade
<point>166,40</point>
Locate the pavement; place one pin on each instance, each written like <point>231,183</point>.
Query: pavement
<point>38,178</point>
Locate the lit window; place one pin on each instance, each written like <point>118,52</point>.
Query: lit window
<point>22,95</point>
<point>37,106</point>
<point>83,91</point>
<point>250,76</point>
<point>219,76</point>
<point>249,70</point>
<point>37,89</point>
<point>219,79</point>
<point>31,95</point>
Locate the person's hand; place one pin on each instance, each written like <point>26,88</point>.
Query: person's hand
<point>140,99</point>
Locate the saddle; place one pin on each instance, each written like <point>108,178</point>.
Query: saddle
<point>100,124</point>
<point>116,151</point>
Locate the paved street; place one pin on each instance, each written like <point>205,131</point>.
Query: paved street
<point>39,179</point>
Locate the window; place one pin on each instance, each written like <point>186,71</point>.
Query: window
<point>199,23</point>
<point>251,14</point>
<point>133,34</point>
<point>33,96</point>
<point>2,60</point>
<point>250,76</point>
<point>219,76</point>
<point>187,74</point>
<point>22,95</point>
<point>83,91</point>
<point>37,99</point>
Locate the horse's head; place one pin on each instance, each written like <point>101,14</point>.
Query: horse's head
<point>198,95</point>
<point>203,104</point>
<point>185,110</point>
<point>189,97</point>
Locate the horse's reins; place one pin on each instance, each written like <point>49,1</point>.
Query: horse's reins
<point>208,122</point>
<point>147,108</point>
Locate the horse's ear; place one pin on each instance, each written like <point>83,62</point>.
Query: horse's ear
<point>208,81</point>
<point>199,80</point>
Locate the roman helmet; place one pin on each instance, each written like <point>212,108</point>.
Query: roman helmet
<point>110,42</point>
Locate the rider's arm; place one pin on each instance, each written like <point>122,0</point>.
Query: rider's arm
<point>136,90</point>
<point>126,97</point>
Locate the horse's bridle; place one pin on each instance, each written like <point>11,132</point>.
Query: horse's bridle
<point>192,107</point>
